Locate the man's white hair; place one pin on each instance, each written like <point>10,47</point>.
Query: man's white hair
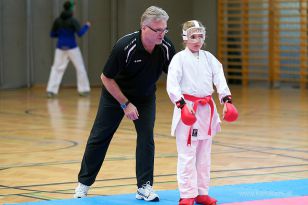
<point>153,13</point>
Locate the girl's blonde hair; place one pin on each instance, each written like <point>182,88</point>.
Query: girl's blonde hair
<point>191,23</point>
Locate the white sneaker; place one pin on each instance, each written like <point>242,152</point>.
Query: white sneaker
<point>147,193</point>
<point>81,191</point>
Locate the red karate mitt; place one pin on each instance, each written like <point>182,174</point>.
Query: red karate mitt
<point>187,117</point>
<point>231,114</point>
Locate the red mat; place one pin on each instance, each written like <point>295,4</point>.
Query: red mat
<point>285,201</point>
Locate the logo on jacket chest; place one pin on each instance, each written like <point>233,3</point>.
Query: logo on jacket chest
<point>137,61</point>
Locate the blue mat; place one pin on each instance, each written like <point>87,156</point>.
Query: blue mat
<point>224,194</point>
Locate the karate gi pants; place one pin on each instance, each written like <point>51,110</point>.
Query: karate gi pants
<point>59,66</point>
<point>194,161</point>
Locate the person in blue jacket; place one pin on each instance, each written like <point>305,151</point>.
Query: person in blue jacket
<point>64,28</point>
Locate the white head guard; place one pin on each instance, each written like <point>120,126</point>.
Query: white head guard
<point>196,29</point>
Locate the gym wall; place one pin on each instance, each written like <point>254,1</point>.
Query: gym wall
<point>27,51</point>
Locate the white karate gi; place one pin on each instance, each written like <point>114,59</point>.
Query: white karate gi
<point>194,76</point>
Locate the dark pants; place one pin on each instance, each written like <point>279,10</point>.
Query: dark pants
<point>107,121</point>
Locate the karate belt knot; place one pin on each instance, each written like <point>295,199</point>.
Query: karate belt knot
<point>202,101</point>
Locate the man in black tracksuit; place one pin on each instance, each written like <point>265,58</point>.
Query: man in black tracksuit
<point>129,77</point>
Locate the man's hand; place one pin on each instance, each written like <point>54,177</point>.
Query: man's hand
<point>131,112</point>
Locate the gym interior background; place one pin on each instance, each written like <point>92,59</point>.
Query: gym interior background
<point>259,42</point>
<point>262,45</point>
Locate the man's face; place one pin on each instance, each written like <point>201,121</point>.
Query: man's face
<point>155,31</point>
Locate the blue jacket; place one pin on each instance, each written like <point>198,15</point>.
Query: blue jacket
<point>64,28</point>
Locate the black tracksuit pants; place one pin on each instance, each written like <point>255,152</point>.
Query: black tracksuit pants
<point>107,121</point>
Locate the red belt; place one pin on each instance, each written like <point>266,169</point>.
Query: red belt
<point>203,101</point>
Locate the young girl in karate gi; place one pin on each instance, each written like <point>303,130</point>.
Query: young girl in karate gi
<point>192,73</point>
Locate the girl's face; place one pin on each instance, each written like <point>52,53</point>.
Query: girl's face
<point>195,42</point>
